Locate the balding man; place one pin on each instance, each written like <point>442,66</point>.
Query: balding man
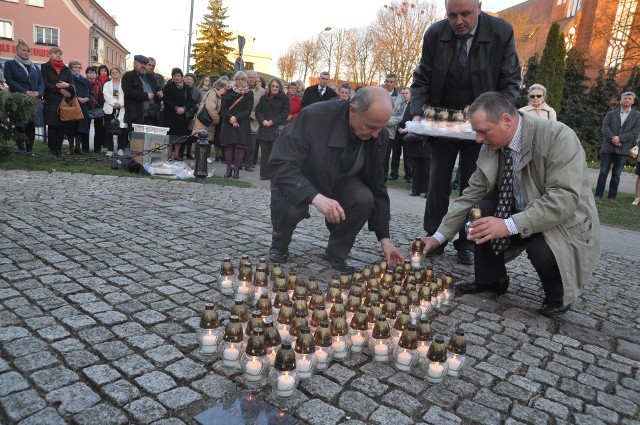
<point>463,56</point>
<point>331,157</point>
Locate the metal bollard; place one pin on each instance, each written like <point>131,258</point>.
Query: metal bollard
<point>200,172</point>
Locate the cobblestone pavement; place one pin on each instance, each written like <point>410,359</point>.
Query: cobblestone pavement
<point>103,280</point>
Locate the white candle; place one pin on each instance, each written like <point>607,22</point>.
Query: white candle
<point>423,349</point>
<point>446,296</point>
<point>322,357</point>
<point>243,291</point>
<point>305,367</point>
<point>339,348</point>
<point>357,341</point>
<point>253,369</point>
<point>415,259</point>
<point>381,352</point>
<point>230,357</point>
<point>226,286</point>
<point>455,365</point>
<point>403,361</point>
<point>209,343</point>
<point>271,356</point>
<point>435,373</point>
<point>396,339</point>
<point>286,385</point>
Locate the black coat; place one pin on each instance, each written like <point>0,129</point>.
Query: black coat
<point>413,145</point>
<point>276,110</point>
<point>52,96</point>
<point>306,161</point>
<point>492,61</point>
<point>230,135</point>
<point>312,95</point>
<point>135,96</point>
<point>175,97</point>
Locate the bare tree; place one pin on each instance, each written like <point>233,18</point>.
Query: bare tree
<point>308,54</point>
<point>287,64</point>
<point>400,28</point>
<point>360,59</point>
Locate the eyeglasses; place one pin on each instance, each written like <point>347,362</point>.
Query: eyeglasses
<point>534,96</point>
<point>275,86</point>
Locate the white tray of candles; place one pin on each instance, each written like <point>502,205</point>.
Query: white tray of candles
<point>440,122</point>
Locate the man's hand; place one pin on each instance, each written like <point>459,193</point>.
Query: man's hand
<point>486,228</point>
<point>391,253</point>
<point>150,96</point>
<point>329,208</point>
<point>430,243</point>
<point>416,118</point>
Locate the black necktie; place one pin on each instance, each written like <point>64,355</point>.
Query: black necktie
<point>505,200</point>
<point>321,91</point>
<point>462,52</point>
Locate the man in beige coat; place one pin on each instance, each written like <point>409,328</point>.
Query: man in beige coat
<point>553,214</point>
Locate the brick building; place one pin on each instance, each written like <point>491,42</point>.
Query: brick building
<point>82,28</point>
<point>608,31</point>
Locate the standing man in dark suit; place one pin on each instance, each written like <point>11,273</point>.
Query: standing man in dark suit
<point>463,56</point>
<point>139,93</point>
<point>619,130</point>
<point>319,92</point>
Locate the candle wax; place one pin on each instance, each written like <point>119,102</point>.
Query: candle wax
<point>231,355</point>
<point>209,344</point>
<point>286,384</point>
<point>381,352</point>
<point>357,341</point>
<point>252,370</point>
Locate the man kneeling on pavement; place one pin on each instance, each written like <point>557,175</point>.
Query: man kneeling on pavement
<point>331,157</point>
<point>532,186</point>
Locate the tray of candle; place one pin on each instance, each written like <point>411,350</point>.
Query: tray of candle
<point>449,129</point>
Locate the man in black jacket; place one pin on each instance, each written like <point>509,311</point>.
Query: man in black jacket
<point>463,56</point>
<point>319,92</point>
<point>139,92</point>
<point>331,157</point>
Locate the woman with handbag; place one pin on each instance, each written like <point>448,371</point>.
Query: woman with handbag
<point>177,101</point>
<point>237,105</point>
<point>79,132</point>
<point>208,115</point>
<point>96,114</point>
<point>272,112</point>
<point>196,94</point>
<point>22,76</point>
<point>114,110</point>
<point>58,85</point>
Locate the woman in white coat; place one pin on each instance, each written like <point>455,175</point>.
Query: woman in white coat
<point>114,108</point>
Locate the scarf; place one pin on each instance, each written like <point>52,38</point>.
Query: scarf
<point>103,79</point>
<point>25,62</point>
<point>241,90</point>
<point>271,95</point>
<point>57,65</point>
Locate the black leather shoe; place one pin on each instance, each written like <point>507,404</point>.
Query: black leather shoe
<point>414,194</point>
<point>472,287</point>
<point>408,179</point>
<point>228,173</point>
<point>465,256</point>
<point>278,256</point>
<point>248,168</point>
<point>338,263</point>
<point>392,177</point>
<point>553,309</point>
<point>236,174</point>
<point>438,251</point>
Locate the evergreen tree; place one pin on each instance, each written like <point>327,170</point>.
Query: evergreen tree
<point>574,95</point>
<point>600,100</point>
<point>551,71</point>
<point>529,80</point>
<point>633,84</point>
<point>210,53</point>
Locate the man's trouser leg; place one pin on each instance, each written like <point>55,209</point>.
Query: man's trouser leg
<point>284,218</point>
<point>356,200</point>
<point>469,151</point>
<point>443,158</point>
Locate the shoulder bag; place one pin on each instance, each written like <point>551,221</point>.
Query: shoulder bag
<point>70,110</point>
<point>96,112</point>
<point>633,153</point>
<point>203,115</point>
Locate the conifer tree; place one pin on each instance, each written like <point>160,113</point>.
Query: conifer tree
<point>210,53</point>
<point>600,100</point>
<point>574,95</point>
<point>551,71</point>
<point>633,84</point>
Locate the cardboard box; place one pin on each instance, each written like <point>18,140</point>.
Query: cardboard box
<point>142,142</point>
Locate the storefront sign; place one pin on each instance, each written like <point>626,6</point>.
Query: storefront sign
<point>35,51</point>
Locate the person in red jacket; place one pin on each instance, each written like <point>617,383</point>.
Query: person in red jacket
<point>294,100</point>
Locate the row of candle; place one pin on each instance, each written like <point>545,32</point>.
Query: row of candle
<point>256,347</point>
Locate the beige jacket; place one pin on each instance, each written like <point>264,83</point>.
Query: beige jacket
<point>212,101</point>
<point>544,112</point>
<point>560,205</point>
<point>257,94</point>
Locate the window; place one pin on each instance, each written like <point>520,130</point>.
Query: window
<point>39,3</point>
<point>573,8</point>
<point>6,29</point>
<point>620,32</point>
<point>12,1</point>
<point>46,35</point>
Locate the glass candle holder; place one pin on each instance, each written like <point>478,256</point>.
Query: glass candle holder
<point>405,354</point>
<point>323,341</point>
<point>284,377</point>
<point>437,367</point>
<point>341,341</point>
<point>209,334</point>
<point>228,281</point>
<point>254,363</point>
<point>278,301</point>
<point>272,339</point>
<point>423,331</point>
<point>457,350</point>
<point>264,305</point>
<point>358,327</point>
<point>380,343</point>
<point>233,345</point>
<point>305,350</point>
<point>285,318</point>
<point>244,290</point>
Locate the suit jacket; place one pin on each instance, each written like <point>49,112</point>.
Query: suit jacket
<point>306,161</point>
<point>627,132</point>
<point>18,80</point>
<point>554,182</point>
<point>492,60</point>
<point>135,96</point>
<point>312,95</point>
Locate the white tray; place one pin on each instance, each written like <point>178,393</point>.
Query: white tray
<point>453,130</point>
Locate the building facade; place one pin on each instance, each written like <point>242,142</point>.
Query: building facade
<point>81,28</point>
<point>608,31</point>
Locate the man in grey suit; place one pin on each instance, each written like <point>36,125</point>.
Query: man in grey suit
<point>619,130</point>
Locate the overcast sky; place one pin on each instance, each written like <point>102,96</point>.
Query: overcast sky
<point>146,26</point>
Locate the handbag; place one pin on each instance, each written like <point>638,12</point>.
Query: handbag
<point>204,117</point>
<point>633,153</point>
<point>95,113</point>
<point>70,110</point>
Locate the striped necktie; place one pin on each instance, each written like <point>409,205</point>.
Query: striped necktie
<point>505,200</point>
